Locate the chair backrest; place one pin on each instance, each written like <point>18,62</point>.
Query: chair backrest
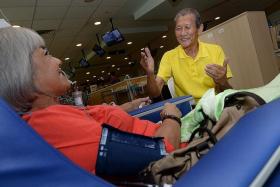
<point>27,160</point>
<point>248,155</point>
<point>243,157</point>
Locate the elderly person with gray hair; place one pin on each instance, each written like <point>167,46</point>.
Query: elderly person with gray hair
<point>194,66</point>
<point>31,80</point>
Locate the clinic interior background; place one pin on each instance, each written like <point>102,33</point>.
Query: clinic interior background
<point>73,28</point>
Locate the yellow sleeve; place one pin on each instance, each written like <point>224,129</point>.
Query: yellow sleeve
<point>164,70</point>
<point>221,58</point>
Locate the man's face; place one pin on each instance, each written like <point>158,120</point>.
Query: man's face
<point>186,31</point>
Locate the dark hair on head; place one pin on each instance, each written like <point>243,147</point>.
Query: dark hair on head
<point>187,11</point>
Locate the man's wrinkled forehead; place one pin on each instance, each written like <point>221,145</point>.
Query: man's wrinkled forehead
<point>188,19</point>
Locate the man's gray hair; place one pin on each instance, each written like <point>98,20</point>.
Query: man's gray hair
<point>16,77</point>
<point>187,11</point>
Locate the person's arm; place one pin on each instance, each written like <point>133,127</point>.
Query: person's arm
<point>219,75</point>
<point>170,128</point>
<point>154,83</point>
<point>220,87</point>
<point>135,104</point>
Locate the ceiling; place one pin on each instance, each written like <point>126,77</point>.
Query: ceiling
<point>65,23</point>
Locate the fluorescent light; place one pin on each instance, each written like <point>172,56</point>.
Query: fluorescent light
<point>164,36</point>
<point>16,26</point>
<point>97,23</point>
<point>129,43</point>
<point>216,18</point>
<point>79,45</point>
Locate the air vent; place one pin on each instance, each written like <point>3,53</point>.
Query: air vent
<point>41,32</point>
<point>174,2</point>
<point>117,52</point>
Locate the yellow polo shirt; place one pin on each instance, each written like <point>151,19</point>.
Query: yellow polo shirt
<point>189,74</point>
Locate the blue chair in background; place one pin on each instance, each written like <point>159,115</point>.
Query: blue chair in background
<point>152,112</point>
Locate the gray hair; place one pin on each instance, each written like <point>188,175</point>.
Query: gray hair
<point>187,11</point>
<point>16,71</point>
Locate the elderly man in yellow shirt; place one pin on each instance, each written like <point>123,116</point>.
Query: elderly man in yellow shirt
<point>195,66</point>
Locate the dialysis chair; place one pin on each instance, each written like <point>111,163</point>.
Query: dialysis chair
<point>248,155</point>
<point>27,160</point>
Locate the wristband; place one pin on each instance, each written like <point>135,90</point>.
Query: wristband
<point>171,117</point>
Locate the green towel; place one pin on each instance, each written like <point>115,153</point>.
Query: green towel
<point>212,105</point>
<point>192,120</point>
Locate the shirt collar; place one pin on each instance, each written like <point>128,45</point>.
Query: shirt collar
<point>202,52</point>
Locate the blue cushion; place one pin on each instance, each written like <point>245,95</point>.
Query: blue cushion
<point>241,154</point>
<point>152,112</point>
<point>27,160</point>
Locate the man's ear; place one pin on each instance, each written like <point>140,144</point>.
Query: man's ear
<point>200,29</point>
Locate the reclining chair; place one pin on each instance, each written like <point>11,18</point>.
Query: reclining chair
<point>27,160</point>
<point>248,155</point>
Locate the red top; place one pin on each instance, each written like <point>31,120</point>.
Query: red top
<point>76,131</point>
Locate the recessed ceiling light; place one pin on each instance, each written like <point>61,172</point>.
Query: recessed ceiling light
<point>16,26</point>
<point>129,43</point>
<point>66,58</point>
<point>97,23</point>
<point>129,63</point>
<point>113,65</point>
<point>94,76</point>
<point>79,45</point>
<point>88,73</point>
<point>102,71</point>
<point>108,57</point>
<point>161,46</point>
<point>164,36</point>
<point>109,73</point>
<point>216,18</point>
<point>118,69</point>
<point>142,49</point>
<point>87,80</point>
<point>126,58</point>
